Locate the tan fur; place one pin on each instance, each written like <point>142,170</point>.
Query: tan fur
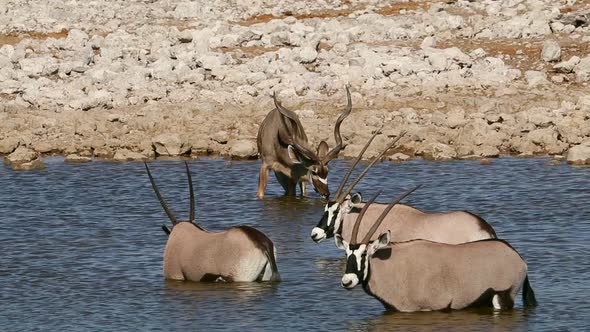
<point>424,275</point>
<point>407,223</point>
<point>280,131</point>
<point>191,253</point>
<point>275,156</point>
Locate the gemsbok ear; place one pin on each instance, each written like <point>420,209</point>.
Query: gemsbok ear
<point>339,241</point>
<point>382,241</point>
<point>356,198</point>
<point>293,155</point>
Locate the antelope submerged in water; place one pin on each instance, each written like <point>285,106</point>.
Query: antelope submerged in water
<point>405,222</point>
<point>283,148</point>
<point>421,275</point>
<point>192,253</point>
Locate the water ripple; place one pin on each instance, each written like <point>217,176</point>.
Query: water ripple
<point>82,246</point>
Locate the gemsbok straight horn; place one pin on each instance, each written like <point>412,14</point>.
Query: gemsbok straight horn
<point>192,253</point>
<point>421,275</point>
<point>283,148</point>
<point>405,221</point>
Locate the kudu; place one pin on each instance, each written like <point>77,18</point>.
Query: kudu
<point>192,253</point>
<point>421,275</point>
<point>283,148</point>
<point>405,222</point>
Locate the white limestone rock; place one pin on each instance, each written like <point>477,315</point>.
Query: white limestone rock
<point>128,155</point>
<point>243,149</point>
<point>551,51</point>
<point>170,144</point>
<point>536,78</point>
<point>582,70</point>
<point>567,66</point>
<point>579,154</point>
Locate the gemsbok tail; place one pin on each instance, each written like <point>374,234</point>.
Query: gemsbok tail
<point>270,255</point>
<point>265,245</point>
<point>528,296</point>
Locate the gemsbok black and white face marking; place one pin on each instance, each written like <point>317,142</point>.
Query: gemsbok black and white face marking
<point>358,257</point>
<point>358,254</point>
<point>342,203</point>
<point>331,221</point>
<point>485,272</point>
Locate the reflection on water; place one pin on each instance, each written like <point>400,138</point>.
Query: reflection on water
<point>82,247</point>
<point>241,292</point>
<point>457,321</point>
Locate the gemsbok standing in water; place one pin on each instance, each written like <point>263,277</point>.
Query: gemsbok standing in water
<point>240,253</point>
<point>421,275</point>
<point>405,222</point>
<point>283,148</point>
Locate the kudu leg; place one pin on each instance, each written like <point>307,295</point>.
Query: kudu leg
<point>292,187</point>
<point>303,188</point>
<point>287,183</point>
<point>262,180</point>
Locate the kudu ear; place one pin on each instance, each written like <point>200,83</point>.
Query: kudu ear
<point>293,155</point>
<point>340,244</point>
<point>356,198</point>
<point>323,150</point>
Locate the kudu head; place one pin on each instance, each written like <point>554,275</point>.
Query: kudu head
<point>316,162</point>
<point>165,205</point>
<point>358,254</point>
<point>342,202</point>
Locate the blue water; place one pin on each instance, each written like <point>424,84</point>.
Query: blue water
<point>81,247</point>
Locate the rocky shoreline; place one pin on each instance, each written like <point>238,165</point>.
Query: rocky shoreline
<point>141,79</point>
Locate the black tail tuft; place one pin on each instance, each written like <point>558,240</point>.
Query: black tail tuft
<point>270,254</point>
<point>528,296</point>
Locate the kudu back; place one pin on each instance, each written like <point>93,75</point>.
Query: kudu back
<point>421,275</point>
<point>192,253</point>
<point>405,221</point>
<point>284,148</point>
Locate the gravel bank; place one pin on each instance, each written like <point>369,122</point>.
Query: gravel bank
<point>129,80</point>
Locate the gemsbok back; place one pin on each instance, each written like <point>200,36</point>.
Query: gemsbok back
<point>192,253</point>
<point>283,148</point>
<point>421,275</point>
<point>405,222</point>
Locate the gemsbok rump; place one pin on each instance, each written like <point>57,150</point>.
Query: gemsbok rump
<point>405,222</point>
<point>283,148</point>
<point>421,275</point>
<point>192,253</point>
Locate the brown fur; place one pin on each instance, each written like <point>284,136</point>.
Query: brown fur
<point>192,253</point>
<point>265,245</point>
<point>484,225</point>
<point>408,223</point>
<point>425,275</point>
<point>274,154</point>
<point>281,130</point>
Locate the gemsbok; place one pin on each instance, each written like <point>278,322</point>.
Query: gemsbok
<point>283,148</point>
<point>421,275</point>
<point>192,253</point>
<point>405,222</point>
